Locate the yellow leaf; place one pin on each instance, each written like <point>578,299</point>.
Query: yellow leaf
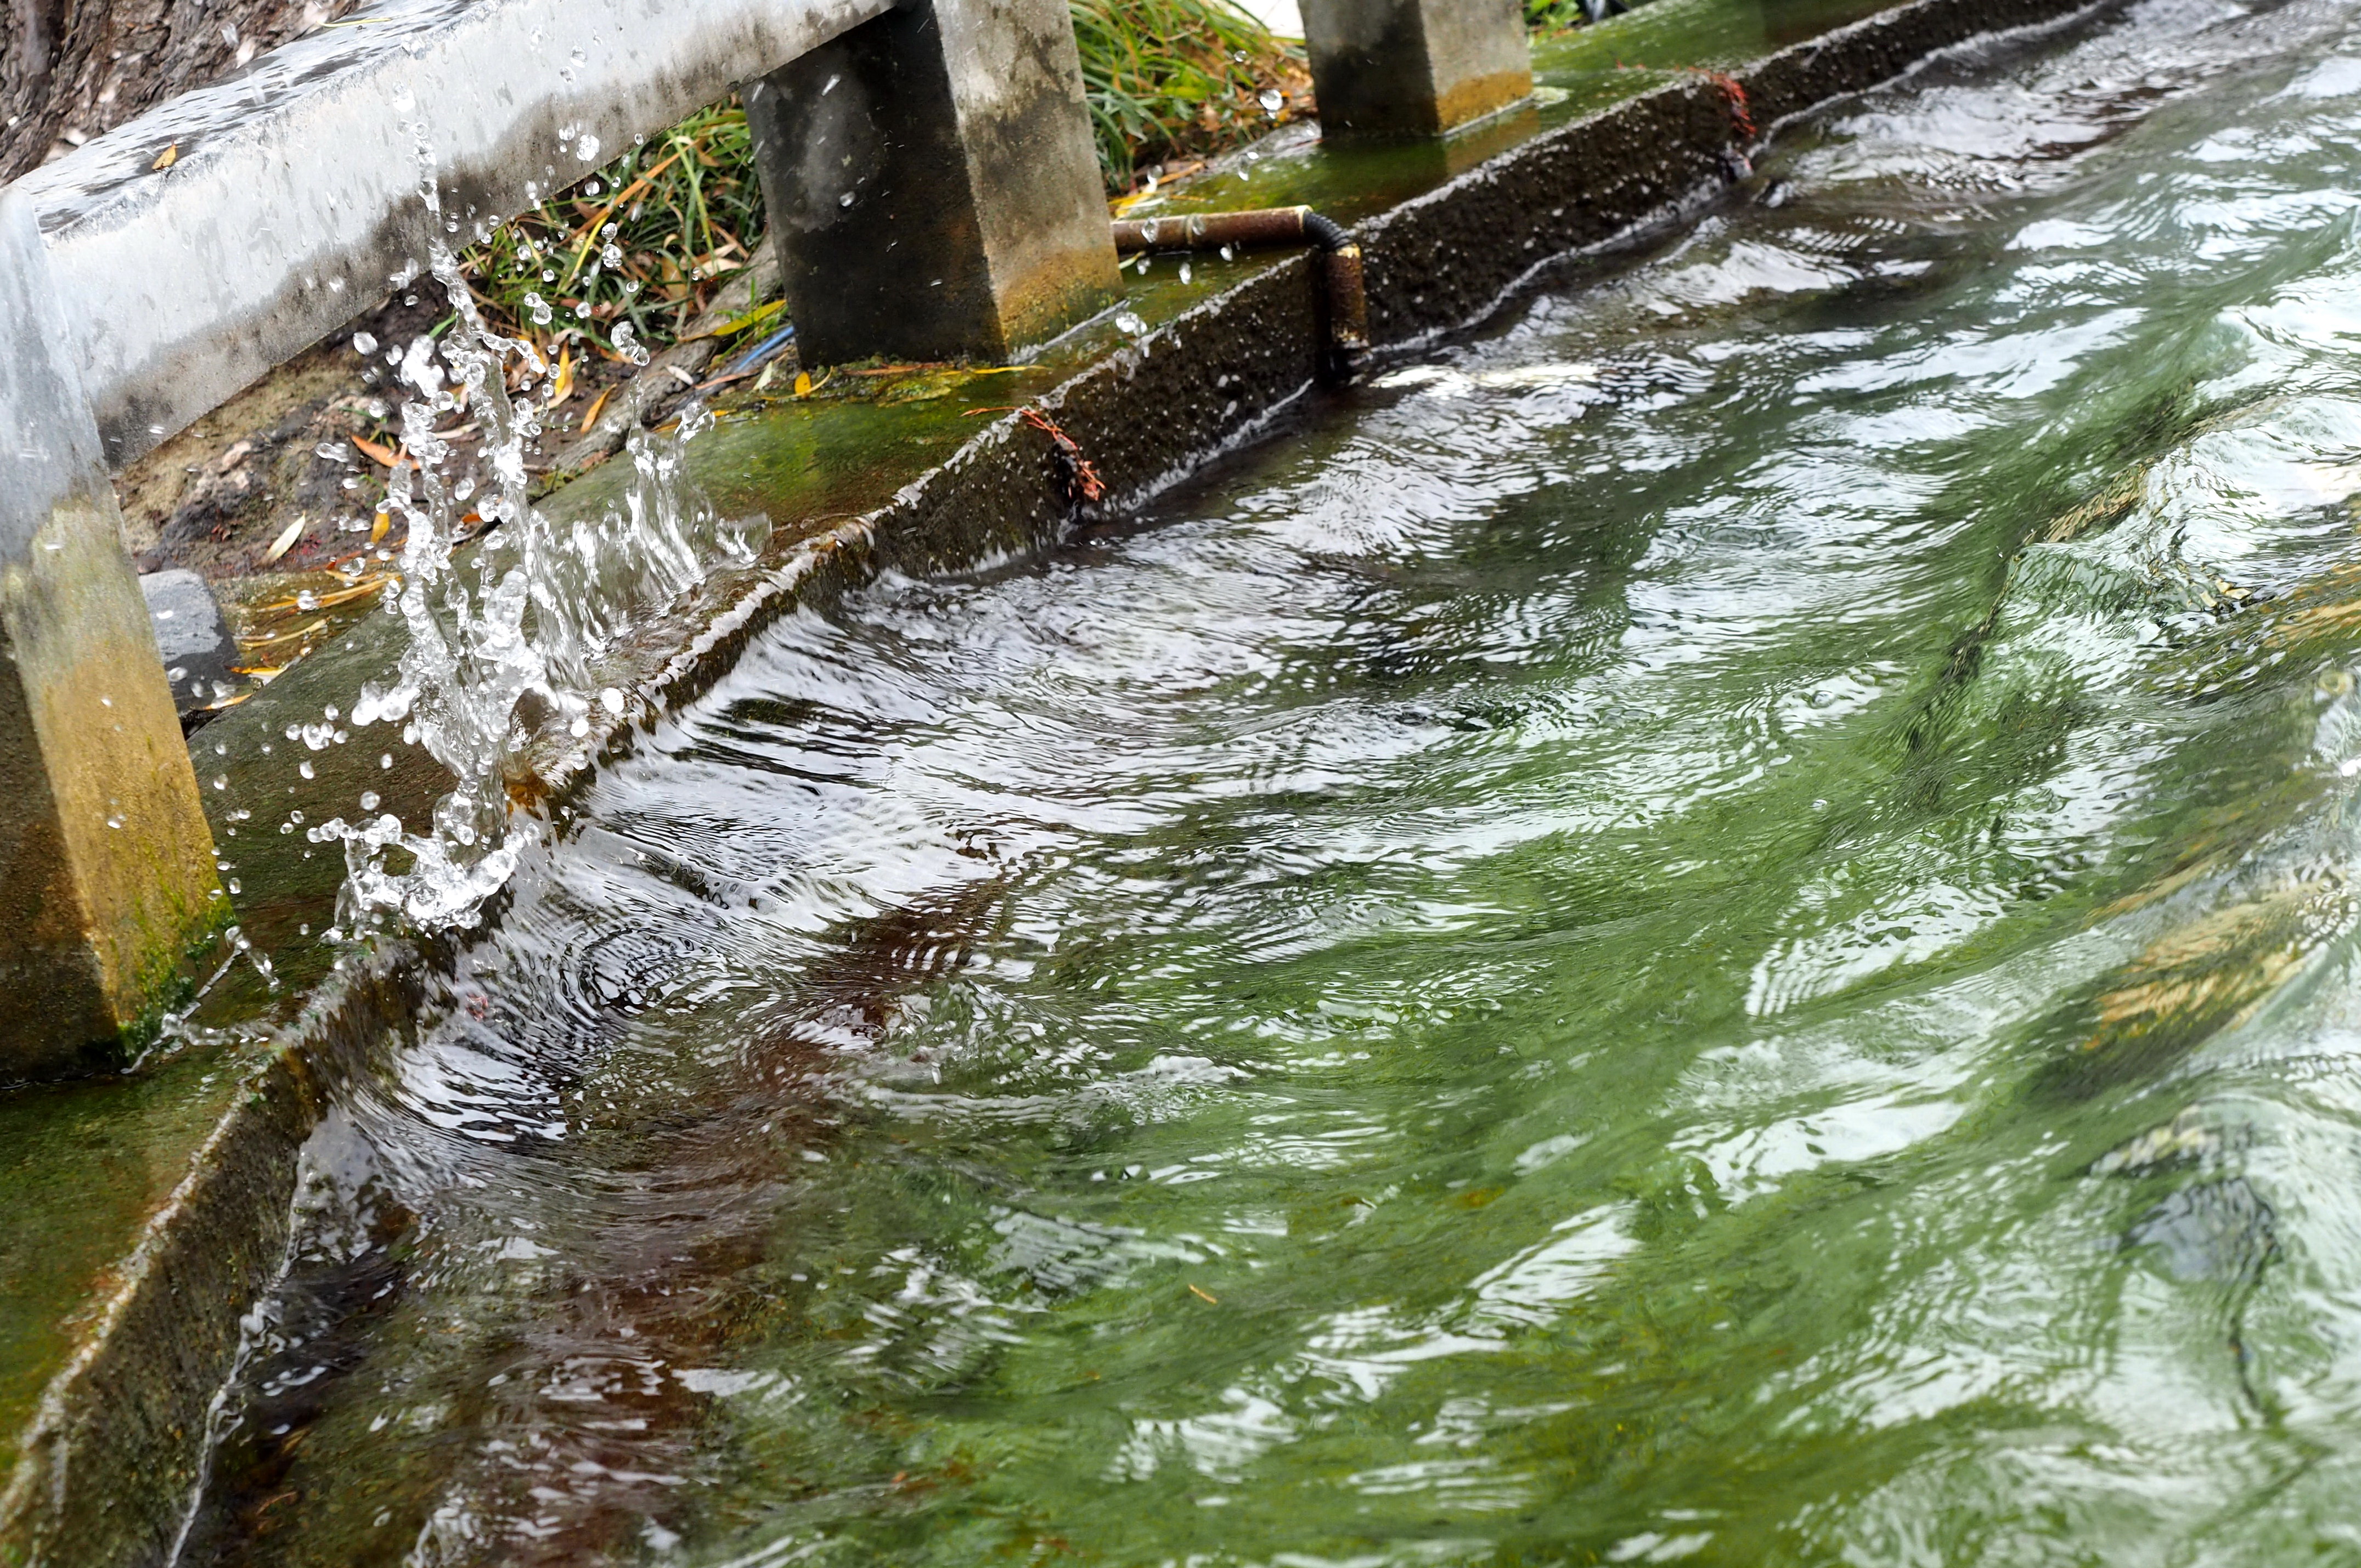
<point>561,386</point>
<point>166,159</point>
<point>377,529</point>
<point>285,542</point>
<point>803,383</point>
<point>592,417</point>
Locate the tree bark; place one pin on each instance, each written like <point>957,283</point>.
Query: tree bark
<point>72,69</point>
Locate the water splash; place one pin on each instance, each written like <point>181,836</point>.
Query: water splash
<point>504,635</point>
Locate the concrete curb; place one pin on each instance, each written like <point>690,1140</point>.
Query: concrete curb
<point>109,1466</point>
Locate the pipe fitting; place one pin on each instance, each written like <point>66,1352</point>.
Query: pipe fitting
<point>1344,299</point>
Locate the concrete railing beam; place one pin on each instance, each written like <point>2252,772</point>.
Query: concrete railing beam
<point>290,200</point>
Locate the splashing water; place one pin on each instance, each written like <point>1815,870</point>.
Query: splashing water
<point>502,639</point>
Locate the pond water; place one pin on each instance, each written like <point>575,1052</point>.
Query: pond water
<point>1718,926</point>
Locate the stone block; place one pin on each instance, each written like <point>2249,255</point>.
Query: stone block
<point>1414,67</point>
<point>932,186</point>
<point>106,865</point>
<point>200,656</point>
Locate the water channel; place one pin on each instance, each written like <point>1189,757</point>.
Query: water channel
<point>1715,925</point>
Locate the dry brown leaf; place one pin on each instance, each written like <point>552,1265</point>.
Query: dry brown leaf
<point>285,541</point>
<point>384,456</point>
<point>166,159</point>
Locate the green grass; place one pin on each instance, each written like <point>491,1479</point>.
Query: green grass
<point>642,242</point>
<point>1169,80</point>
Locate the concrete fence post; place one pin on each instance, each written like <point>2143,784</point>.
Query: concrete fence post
<point>1414,67</point>
<point>107,866</point>
<point>932,186</point>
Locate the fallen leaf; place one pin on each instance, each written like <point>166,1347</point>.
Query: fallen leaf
<point>280,545</point>
<point>376,452</point>
<point>592,417</point>
<point>166,159</point>
<point>803,383</point>
<point>377,529</point>
<point>561,386</point>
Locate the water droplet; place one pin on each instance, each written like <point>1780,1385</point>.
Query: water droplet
<point>1128,322</point>
<point>364,344</point>
<point>306,770</point>
<point>369,800</point>
<point>586,149</point>
<point>1270,98</point>
<point>1184,272</point>
<point>845,199</point>
<point>221,781</point>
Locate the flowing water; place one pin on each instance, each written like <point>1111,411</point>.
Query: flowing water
<point>1718,926</point>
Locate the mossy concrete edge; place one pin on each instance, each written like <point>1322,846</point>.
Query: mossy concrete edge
<point>108,1467</point>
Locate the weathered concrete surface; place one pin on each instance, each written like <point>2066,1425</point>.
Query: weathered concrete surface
<point>105,863</point>
<point>1147,416</point>
<point>290,202</point>
<point>1414,67</point>
<point>931,184</point>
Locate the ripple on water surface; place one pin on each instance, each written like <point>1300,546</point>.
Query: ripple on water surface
<point>1719,925</point>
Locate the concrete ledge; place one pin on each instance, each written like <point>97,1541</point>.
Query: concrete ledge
<point>265,231</point>
<point>114,1455</point>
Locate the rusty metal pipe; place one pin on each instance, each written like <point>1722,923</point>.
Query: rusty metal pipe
<point>1344,299</point>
